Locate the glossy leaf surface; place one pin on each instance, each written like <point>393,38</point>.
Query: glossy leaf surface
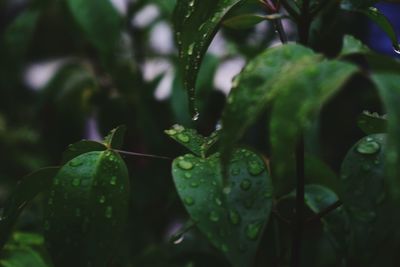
<point>87,209</point>
<point>115,138</point>
<point>372,123</point>
<point>231,216</point>
<point>80,148</point>
<point>196,23</point>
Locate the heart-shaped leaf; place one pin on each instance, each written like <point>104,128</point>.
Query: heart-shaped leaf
<point>372,123</point>
<point>196,23</point>
<point>231,215</point>
<point>87,209</point>
<point>26,190</point>
<point>364,196</point>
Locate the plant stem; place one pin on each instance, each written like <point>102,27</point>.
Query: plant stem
<point>324,212</point>
<point>281,31</point>
<point>299,221</point>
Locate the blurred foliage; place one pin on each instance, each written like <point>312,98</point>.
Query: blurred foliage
<point>100,61</point>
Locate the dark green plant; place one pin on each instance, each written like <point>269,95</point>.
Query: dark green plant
<point>282,201</point>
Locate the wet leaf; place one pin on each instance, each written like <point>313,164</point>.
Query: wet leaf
<point>304,88</point>
<point>243,21</point>
<point>365,198</point>
<point>30,186</point>
<point>196,23</point>
<point>89,196</point>
<point>233,215</point>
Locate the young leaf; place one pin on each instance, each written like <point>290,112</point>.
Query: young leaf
<point>115,138</point>
<point>196,23</point>
<point>26,190</point>
<point>99,21</point>
<point>304,88</point>
<point>372,123</point>
<point>87,209</point>
<point>189,138</point>
<point>253,90</point>
<point>232,217</point>
<point>80,148</point>
<point>364,196</point>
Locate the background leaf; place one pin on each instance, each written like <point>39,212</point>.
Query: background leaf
<point>115,138</point>
<point>28,188</point>
<point>372,123</point>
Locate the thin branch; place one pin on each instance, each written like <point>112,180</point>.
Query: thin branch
<point>326,211</point>
<point>135,154</point>
<point>290,10</point>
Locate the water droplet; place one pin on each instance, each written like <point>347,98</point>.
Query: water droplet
<point>368,147</point>
<point>245,185</point>
<point>108,212</point>
<point>50,201</point>
<point>113,180</point>
<point>253,231</point>
<point>184,164</point>
<point>194,184</point>
<point>78,212</point>
<point>188,201</point>
<point>396,48</point>
<point>75,163</point>
<point>190,49</point>
<point>235,171</point>
<point>183,138</point>
<point>170,132</point>
<point>344,176</point>
<point>234,217</point>
<point>177,239</point>
<point>188,175</point>
<point>227,190</point>
<point>102,199</point>
<point>196,115</point>
<point>213,216</point>
<point>218,201</point>
<point>255,167</point>
<point>224,248</point>
<point>76,182</point>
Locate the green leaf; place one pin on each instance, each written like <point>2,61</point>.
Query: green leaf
<point>318,172</point>
<point>243,21</point>
<point>80,148</point>
<point>372,123</point>
<point>380,19</point>
<point>23,257</point>
<point>232,217</point>
<point>87,210</point>
<point>99,21</point>
<point>26,190</point>
<point>364,196</point>
<point>189,138</point>
<point>196,23</point>
<point>388,85</point>
<point>304,88</point>
<point>351,45</point>
<point>115,138</point>
<point>253,89</point>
